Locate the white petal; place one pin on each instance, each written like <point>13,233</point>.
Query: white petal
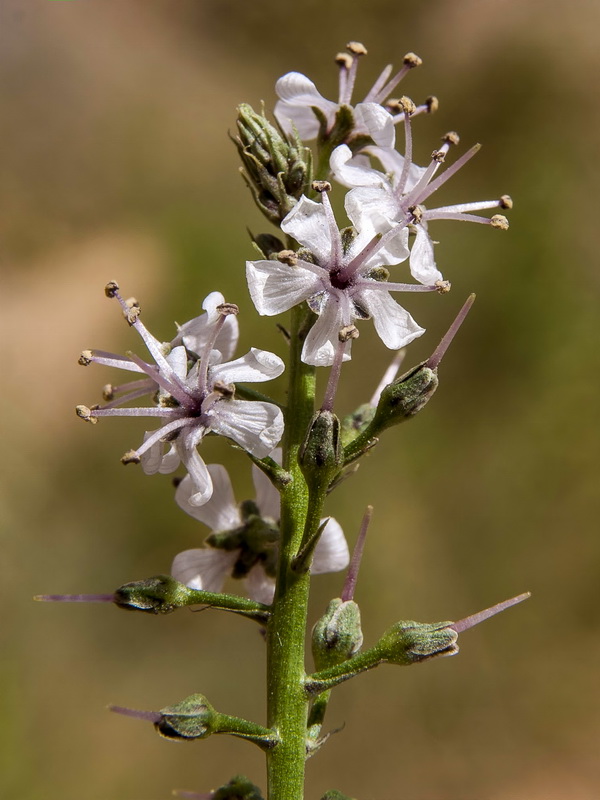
<point>204,568</point>
<point>373,119</point>
<point>331,553</point>
<point>259,586</point>
<point>254,425</point>
<point>372,206</point>
<point>300,117</point>
<point>276,287</point>
<point>196,333</point>
<point>352,170</point>
<point>307,223</point>
<point>267,496</point>
<point>177,359</point>
<point>221,512</point>
<point>298,95</point>
<point>393,323</point>
<point>323,338</point>
<point>198,471</point>
<point>156,460</point>
<point>422,261</point>
<point>254,367</point>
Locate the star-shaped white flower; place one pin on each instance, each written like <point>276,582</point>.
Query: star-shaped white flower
<point>244,539</point>
<point>347,281</point>
<point>194,393</point>
<point>299,96</point>
<point>382,200</point>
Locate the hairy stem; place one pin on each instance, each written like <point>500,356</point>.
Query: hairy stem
<point>287,701</point>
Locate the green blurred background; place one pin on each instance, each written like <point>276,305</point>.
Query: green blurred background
<point>116,164</point>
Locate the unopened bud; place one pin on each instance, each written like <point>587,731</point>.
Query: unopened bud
<point>337,636</point>
<point>192,718</point>
<point>321,454</point>
<point>238,788</point>
<point>410,642</point>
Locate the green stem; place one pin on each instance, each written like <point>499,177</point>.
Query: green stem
<point>287,701</point>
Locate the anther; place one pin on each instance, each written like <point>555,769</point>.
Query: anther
<point>438,156</point>
<point>506,201</point>
<point>85,359</point>
<point>224,389</point>
<point>85,413</point>
<point>451,137</point>
<point>412,60</point>
<point>111,289</point>
<point>347,333</point>
<point>108,392</point>
<point>406,105</point>
<point>287,257</point>
<point>499,221</point>
<point>225,309</point>
<point>432,104</point>
<point>130,457</point>
<point>343,60</point>
<point>132,310</point>
<point>356,48</point>
<point>321,186</point>
<point>417,213</point>
<point>443,287</point>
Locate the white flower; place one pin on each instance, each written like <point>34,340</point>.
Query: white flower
<point>347,282</point>
<point>299,96</point>
<point>244,539</point>
<point>381,201</point>
<point>194,394</point>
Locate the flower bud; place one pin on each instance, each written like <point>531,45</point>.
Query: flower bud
<point>321,455</point>
<point>276,166</point>
<point>157,595</point>
<point>410,642</point>
<point>192,718</point>
<point>337,636</point>
<point>238,788</point>
<point>405,397</point>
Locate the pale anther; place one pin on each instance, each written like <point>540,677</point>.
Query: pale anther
<point>348,332</point>
<point>506,201</point>
<point>439,156</point>
<point>85,413</point>
<point>432,104</point>
<point>228,308</point>
<point>343,60</point>
<point>443,287</point>
<point>108,392</point>
<point>85,359</point>
<point>451,137</point>
<point>225,389</point>
<point>130,457</point>
<point>321,186</point>
<point>288,257</point>
<point>499,221</point>
<point>356,48</point>
<point>412,60</point>
<point>111,288</point>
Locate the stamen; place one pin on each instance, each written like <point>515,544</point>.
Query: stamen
<point>161,434</point>
<point>408,149</point>
<point>378,85</point>
<point>75,598</point>
<point>126,398</point>
<point>447,174</point>
<point>480,616</point>
<point>506,201</point>
<point>461,208</point>
<point>352,575</point>
<point>176,389</point>
<point>345,335</point>
<point>410,61</point>
<point>499,221</point>
<point>388,376</point>
<point>288,257</point>
<point>344,61</point>
<point>389,286</point>
<point>433,361</point>
<point>356,49</point>
<point>108,360</point>
<point>86,358</point>
<point>149,716</point>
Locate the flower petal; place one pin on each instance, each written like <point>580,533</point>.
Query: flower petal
<point>352,171</point>
<point>256,366</point>
<point>323,338</point>
<point>204,568</point>
<point>276,287</point>
<point>199,475</point>
<point>307,223</point>
<point>196,333</point>
<point>221,512</point>
<point>259,586</point>
<point>393,164</point>
<point>154,459</point>
<point>331,552</point>
<point>298,95</point>
<point>255,425</point>
<point>373,119</point>
<point>393,323</point>
<point>422,260</point>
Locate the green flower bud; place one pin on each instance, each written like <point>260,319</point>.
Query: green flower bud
<point>333,794</point>
<point>157,595</point>
<point>321,455</point>
<point>238,788</point>
<point>405,397</point>
<point>410,642</point>
<point>276,165</point>
<point>337,636</point>
<point>192,718</point>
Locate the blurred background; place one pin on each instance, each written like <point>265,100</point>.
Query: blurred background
<point>116,164</point>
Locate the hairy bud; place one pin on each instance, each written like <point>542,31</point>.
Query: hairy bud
<point>337,636</point>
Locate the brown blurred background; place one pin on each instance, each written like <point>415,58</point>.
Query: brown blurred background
<point>116,164</point>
